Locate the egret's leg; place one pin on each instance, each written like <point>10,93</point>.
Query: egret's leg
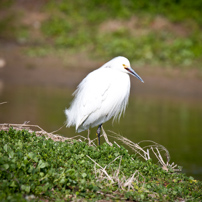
<point>89,141</point>
<point>98,133</point>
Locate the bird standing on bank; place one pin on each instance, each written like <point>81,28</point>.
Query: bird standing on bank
<point>101,95</point>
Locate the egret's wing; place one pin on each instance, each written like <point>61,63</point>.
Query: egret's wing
<point>90,94</point>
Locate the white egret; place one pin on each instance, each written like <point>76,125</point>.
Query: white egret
<point>101,95</point>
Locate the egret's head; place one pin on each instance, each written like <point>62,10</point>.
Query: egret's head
<point>122,64</point>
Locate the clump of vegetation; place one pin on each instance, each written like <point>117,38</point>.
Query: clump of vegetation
<point>36,168</point>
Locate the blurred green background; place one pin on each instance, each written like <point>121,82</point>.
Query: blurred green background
<point>164,32</point>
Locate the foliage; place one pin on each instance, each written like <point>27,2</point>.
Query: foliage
<point>102,10</point>
<point>35,168</point>
<point>78,26</point>
<point>6,22</point>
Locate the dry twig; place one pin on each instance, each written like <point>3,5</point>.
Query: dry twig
<point>1,103</point>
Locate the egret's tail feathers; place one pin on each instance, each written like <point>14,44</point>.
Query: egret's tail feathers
<point>78,130</point>
<point>69,121</point>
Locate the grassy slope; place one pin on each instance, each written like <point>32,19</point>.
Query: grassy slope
<point>35,168</point>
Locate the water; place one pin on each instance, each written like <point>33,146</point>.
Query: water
<point>175,124</point>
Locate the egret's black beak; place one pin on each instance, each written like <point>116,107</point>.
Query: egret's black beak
<point>132,72</point>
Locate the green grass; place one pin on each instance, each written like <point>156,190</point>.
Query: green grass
<point>34,168</point>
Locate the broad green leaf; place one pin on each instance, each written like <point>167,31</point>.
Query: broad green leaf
<point>26,188</point>
<point>5,166</point>
<point>6,147</point>
<point>11,154</point>
<point>83,175</point>
<point>42,164</point>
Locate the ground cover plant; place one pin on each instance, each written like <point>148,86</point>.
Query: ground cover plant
<point>36,168</point>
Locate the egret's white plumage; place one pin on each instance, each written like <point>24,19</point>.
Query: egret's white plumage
<point>101,95</point>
